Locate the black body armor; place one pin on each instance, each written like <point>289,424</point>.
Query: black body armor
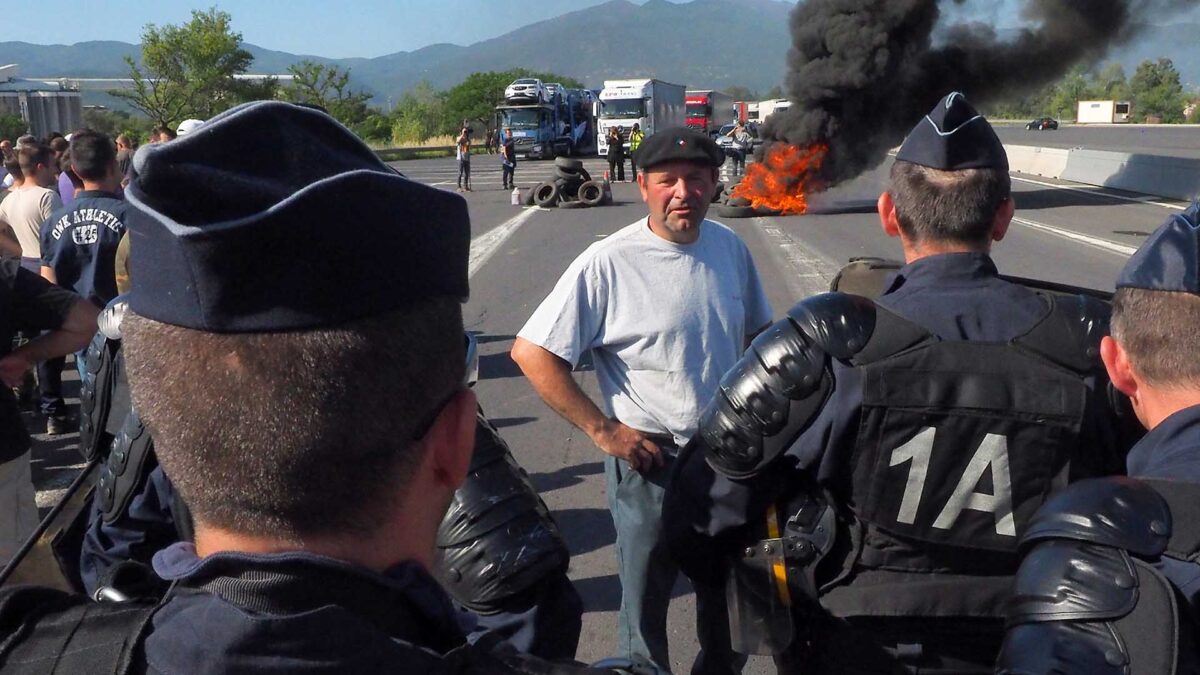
<point>497,539</point>
<point>1087,597</point>
<point>958,444</point>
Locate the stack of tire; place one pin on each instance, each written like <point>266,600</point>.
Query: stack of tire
<point>727,206</point>
<point>571,188</point>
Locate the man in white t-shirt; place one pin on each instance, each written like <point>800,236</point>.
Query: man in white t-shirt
<point>27,207</point>
<point>665,306</point>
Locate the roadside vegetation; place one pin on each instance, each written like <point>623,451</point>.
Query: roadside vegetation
<point>1154,89</point>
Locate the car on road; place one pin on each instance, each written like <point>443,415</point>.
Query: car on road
<point>1042,124</point>
<point>527,89</point>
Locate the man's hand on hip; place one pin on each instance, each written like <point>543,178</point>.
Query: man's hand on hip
<point>628,444</point>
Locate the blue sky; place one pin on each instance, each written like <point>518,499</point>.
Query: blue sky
<point>332,28</point>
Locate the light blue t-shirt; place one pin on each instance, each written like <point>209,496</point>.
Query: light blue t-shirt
<point>663,321</point>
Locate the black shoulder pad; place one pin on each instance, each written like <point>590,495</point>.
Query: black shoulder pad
<point>780,384</point>
<point>1082,608</point>
<point>124,473</point>
<point>497,538</point>
<point>1041,648</point>
<point>1114,511</point>
<point>1063,580</point>
<point>838,323</point>
<point>1070,333</point>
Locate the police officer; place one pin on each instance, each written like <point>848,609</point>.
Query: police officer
<point>1109,581</point>
<point>312,415</point>
<point>1152,358</point>
<point>872,463</point>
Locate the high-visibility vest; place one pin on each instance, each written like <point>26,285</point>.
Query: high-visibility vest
<point>635,139</point>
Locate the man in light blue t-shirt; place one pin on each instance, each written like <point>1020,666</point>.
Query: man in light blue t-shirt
<point>665,306</point>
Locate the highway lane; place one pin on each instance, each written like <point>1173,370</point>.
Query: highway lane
<point>518,253</point>
<point>1173,140</point>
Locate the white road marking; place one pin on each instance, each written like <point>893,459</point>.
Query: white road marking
<point>485,245</point>
<point>1100,193</point>
<point>811,272</point>
<point>1097,242</point>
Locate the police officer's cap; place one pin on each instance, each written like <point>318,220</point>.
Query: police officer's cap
<point>953,137</point>
<point>678,144</point>
<point>274,217</point>
<point>1170,258</point>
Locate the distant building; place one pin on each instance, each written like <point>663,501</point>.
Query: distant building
<point>45,105</point>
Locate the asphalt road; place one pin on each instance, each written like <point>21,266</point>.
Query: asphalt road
<point>1174,140</point>
<point>1065,233</point>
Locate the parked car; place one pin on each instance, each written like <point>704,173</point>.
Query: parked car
<point>527,89</point>
<point>1042,124</point>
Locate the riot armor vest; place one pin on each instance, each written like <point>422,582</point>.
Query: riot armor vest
<point>959,443</point>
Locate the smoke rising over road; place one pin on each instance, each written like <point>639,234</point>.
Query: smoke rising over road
<point>862,72</point>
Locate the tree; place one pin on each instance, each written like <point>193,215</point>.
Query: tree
<point>12,126</point>
<point>1157,91</point>
<point>1110,83</point>
<point>188,71</point>
<point>329,87</point>
<point>116,122</point>
<point>774,92</point>
<point>1064,101</point>
<point>418,114</point>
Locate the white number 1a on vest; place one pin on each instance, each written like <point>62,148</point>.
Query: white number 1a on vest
<point>992,454</point>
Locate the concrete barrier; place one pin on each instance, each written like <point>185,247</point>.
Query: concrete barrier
<point>1037,161</point>
<point>1172,177</point>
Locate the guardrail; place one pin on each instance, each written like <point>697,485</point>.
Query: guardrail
<point>399,154</point>
<point>1171,177</point>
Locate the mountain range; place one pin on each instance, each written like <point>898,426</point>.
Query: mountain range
<point>702,44</point>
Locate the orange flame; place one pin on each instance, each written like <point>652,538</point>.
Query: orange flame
<point>784,179</point>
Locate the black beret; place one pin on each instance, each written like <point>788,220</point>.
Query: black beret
<point>952,137</point>
<point>1170,258</point>
<point>678,144</point>
<point>274,217</point>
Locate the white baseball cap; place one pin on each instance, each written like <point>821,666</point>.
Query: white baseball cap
<point>188,126</point>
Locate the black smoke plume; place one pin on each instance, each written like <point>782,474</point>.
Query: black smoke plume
<point>862,72</point>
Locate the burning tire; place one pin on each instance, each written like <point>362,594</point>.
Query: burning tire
<point>546,195</point>
<point>591,193</point>
<point>572,165</point>
<point>738,201</point>
<point>725,211</point>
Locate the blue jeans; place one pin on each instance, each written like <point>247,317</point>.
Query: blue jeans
<point>648,575</point>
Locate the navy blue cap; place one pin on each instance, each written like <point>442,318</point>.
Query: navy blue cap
<point>275,217</point>
<point>678,144</point>
<point>953,137</point>
<point>1170,258</point>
